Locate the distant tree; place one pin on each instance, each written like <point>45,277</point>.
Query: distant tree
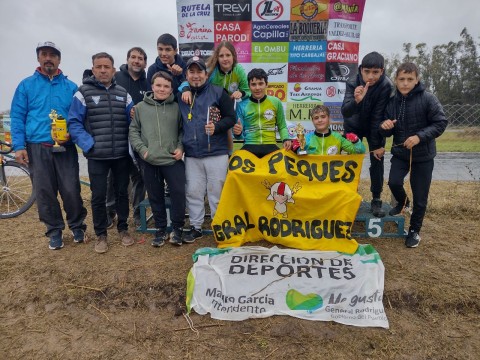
<point>451,71</point>
<point>469,68</point>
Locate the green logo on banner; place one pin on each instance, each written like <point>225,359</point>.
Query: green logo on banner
<point>270,52</point>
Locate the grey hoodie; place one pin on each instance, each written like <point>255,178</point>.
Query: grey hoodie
<point>156,128</point>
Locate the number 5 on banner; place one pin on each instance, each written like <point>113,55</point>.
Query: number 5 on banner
<point>374,228</point>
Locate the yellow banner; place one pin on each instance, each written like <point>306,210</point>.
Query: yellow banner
<point>305,202</point>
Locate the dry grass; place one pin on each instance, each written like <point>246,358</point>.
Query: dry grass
<point>128,303</point>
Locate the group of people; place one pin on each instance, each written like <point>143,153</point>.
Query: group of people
<point>174,126</point>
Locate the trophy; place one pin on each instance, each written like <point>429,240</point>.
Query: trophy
<point>300,130</point>
<point>59,130</point>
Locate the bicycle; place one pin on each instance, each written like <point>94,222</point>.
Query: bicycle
<point>16,194</point>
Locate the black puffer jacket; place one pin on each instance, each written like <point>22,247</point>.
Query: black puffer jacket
<point>419,113</point>
<point>364,118</point>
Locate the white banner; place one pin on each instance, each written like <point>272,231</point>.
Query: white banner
<point>256,282</point>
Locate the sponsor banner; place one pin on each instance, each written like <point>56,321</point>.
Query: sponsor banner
<point>278,90</point>
<point>310,10</point>
<point>256,282</point>
<point>308,30</point>
<point>304,202</point>
<point>347,9</point>
<point>300,111</point>
<point>233,31</point>
<point>310,91</point>
<point>270,31</point>
<point>204,50</point>
<point>336,118</point>
<point>196,10</point>
<point>344,30</point>
<point>270,10</point>
<point>244,52</point>
<point>277,72</point>
<point>334,91</point>
<point>306,72</point>
<point>308,51</point>
<point>195,31</point>
<point>297,42</point>
<point>342,51</point>
<point>270,52</point>
<point>340,71</point>
<point>236,10</point>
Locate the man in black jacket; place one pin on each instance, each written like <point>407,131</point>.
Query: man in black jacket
<point>133,78</point>
<point>363,107</point>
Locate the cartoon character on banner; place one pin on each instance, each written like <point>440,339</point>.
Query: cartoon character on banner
<point>281,194</point>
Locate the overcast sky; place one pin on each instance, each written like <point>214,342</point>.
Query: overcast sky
<point>82,28</point>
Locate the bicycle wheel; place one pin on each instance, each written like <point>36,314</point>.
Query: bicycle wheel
<point>16,193</point>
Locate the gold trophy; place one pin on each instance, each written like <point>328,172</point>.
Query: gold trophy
<point>300,130</point>
<point>59,130</point>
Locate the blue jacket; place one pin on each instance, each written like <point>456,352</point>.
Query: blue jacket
<point>98,119</point>
<point>195,140</point>
<point>35,97</point>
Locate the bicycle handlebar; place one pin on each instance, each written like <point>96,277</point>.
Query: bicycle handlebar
<point>8,145</point>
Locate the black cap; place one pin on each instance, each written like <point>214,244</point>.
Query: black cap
<point>197,60</point>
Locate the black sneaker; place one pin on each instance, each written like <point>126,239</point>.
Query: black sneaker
<point>56,242</point>
<point>78,236</point>
<point>176,237</point>
<point>160,238</point>
<point>192,235</point>
<point>397,210</point>
<point>376,208</point>
<point>413,239</point>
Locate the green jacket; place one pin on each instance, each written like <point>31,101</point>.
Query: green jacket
<point>156,128</point>
<point>331,143</point>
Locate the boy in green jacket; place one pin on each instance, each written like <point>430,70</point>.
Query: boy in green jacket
<point>156,135</point>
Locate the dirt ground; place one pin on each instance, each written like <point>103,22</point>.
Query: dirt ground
<point>128,303</point>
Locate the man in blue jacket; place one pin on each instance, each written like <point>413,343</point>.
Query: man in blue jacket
<point>53,172</point>
<point>169,61</point>
<point>205,141</point>
<point>98,121</point>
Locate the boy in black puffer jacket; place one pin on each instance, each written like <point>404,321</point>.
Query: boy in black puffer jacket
<point>414,118</point>
<point>363,107</point>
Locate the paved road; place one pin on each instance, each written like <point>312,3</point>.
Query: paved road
<point>448,166</point>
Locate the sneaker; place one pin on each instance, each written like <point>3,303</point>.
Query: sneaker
<point>190,236</point>
<point>176,237</point>
<point>160,238</point>
<point>376,208</point>
<point>399,209</point>
<point>413,239</point>
<point>56,242</point>
<point>78,235</point>
<point>127,240</point>
<point>101,245</point>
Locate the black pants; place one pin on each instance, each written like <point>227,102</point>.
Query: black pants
<point>420,180</point>
<point>98,171</point>
<point>155,178</point>
<point>55,173</point>
<point>137,190</point>
<point>260,150</point>
<point>376,174</point>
